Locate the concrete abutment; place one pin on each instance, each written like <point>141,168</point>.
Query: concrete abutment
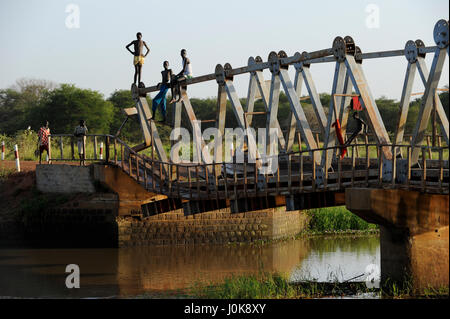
<point>414,234</point>
<point>108,203</point>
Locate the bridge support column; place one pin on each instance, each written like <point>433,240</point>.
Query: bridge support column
<point>414,233</point>
<point>421,259</point>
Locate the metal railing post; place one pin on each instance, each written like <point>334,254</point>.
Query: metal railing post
<point>380,166</point>
<point>61,148</point>
<point>353,165</point>
<point>394,165</point>
<point>72,147</point>
<point>408,174</point>
<point>95,147</point>
<point>424,169</point>
<point>107,149</point>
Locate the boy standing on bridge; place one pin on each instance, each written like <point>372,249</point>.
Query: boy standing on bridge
<point>186,73</point>
<point>138,59</point>
<point>43,141</point>
<point>80,133</point>
<point>160,98</point>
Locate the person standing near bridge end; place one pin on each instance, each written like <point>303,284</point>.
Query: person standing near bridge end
<point>43,140</point>
<point>80,133</point>
<point>139,58</point>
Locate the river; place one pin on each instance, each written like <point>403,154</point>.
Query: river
<point>129,272</point>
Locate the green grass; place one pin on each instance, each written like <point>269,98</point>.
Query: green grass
<point>260,286</point>
<point>277,286</point>
<point>274,286</point>
<point>336,219</point>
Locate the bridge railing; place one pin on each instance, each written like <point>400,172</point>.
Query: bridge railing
<point>65,147</point>
<point>364,166</point>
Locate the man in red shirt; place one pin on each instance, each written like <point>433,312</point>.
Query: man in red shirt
<point>43,140</point>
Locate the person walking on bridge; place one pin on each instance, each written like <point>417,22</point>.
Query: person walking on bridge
<point>160,98</point>
<point>43,141</point>
<point>139,58</point>
<point>80,133</point>
<point>186,73</point>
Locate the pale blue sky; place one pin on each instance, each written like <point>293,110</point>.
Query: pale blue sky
<point>37,44</point>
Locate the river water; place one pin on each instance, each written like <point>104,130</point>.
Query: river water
<point>128,272</point>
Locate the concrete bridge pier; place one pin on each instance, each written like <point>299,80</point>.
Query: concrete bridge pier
<point>414,233</point>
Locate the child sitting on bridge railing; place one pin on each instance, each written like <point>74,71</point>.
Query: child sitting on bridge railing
<point>186,73</point>
<point>160,98</point>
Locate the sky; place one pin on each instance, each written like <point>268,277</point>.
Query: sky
<point>43,39</point>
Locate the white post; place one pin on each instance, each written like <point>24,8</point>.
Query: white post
<point>16,155</point>
<point>3,150</point>
<point>232,150</point>
<point>101,150</point>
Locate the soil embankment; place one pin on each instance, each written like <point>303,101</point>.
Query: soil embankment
<point>16,187</point>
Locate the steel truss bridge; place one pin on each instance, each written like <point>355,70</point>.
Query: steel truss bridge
<point>312,175</point>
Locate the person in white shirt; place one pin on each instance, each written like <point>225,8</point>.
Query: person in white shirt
<point>80,133</point>
<point>186,73</point>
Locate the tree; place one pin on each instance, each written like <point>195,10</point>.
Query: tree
<point>17,102</point>
<point>66,105</point>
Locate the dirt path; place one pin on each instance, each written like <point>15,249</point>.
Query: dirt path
<point>26,166</point>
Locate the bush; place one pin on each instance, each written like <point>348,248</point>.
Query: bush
<point>336,219</point>
<point>26,141</point>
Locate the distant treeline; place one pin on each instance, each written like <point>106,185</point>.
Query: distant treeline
<point>31,102</point>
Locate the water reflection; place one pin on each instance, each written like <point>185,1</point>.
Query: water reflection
<point>338,258</point>
<point>178,267</point>
<point>41,272</point>
<point>133,271</point>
